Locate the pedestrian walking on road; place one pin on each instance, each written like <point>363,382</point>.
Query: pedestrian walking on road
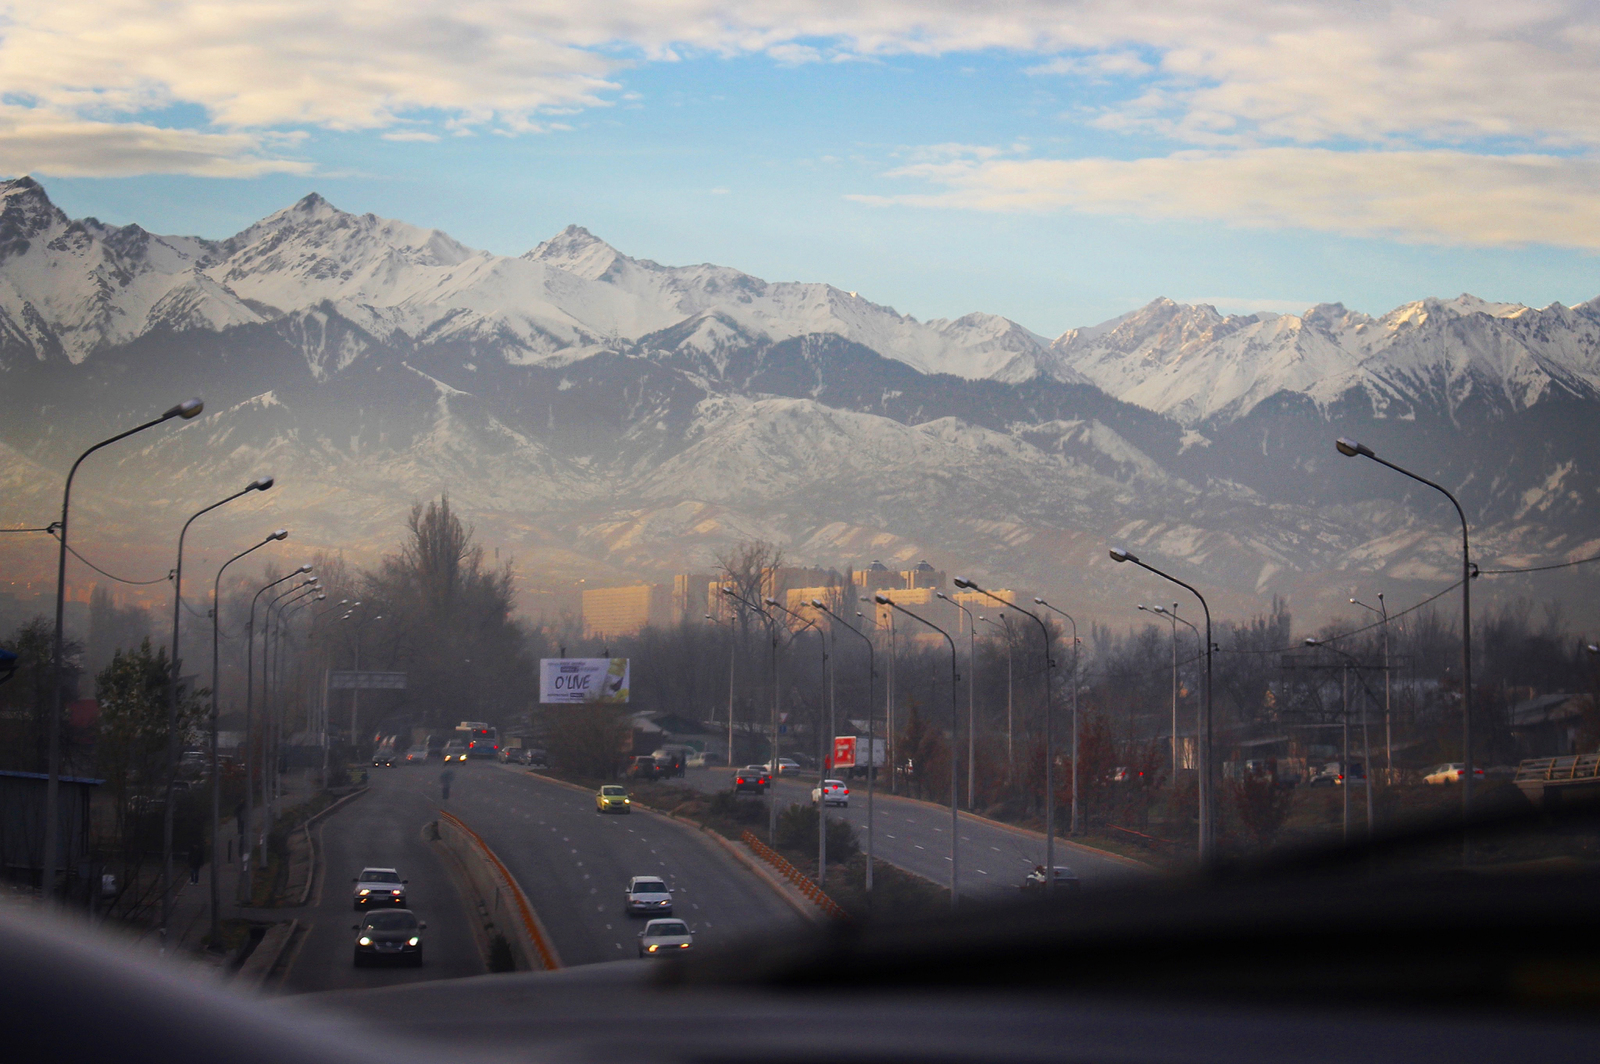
<point>444,782</point>
<point>197,860</point>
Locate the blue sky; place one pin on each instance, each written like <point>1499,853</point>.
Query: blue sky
<point>1058,163</point>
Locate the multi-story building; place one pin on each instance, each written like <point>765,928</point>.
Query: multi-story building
<point>923,575</point>
<point>689,595</point>
<point>616,611</point>
<point>876,577</point>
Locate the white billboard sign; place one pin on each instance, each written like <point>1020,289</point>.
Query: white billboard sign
<point>579,680</point>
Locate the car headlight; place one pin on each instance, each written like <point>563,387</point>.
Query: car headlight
<point>625,801</point>
<point>415,942</point>
<point>365,892</point>
<point>365,941</point>
<point>683,945</point>
<point>652,949</point>
<point>396,893</point>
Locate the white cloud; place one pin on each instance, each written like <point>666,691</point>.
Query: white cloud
<point>419,135</point>
<point>1391,73</point>
<point>42,142</point>
<point>1436,197</point>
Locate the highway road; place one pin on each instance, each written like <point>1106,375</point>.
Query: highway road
<point>381,828</point>
<point>575,863</point>
<point>916,836</point>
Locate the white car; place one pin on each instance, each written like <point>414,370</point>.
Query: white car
<point>661,937</point>
<point>1450,773</point>
<point>784,767</point>
<point>379,886</point>
<point>649,895</point>
<point>830,792</point>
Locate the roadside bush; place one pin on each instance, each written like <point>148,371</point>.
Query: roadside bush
<point>797,834</point>
<point>725,805</point>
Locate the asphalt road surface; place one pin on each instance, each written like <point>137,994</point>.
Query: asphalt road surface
<point>575,863</point>
<point>382,828</point>
<point>916,836</point>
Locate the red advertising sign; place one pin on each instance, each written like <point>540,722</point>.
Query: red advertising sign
<point>844,751</point>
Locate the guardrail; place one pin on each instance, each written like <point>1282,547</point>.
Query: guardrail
<point>794,875</point>
<point>1559,769</point>
<point>530,925</point>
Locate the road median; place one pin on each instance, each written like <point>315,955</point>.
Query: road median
<point>502,903</point>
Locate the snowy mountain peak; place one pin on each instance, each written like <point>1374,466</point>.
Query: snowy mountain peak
<point>25,213</point>
<point>577,251</point>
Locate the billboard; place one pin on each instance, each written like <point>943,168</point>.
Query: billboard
<point>579,680</point>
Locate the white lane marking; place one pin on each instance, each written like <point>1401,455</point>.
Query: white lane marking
<point>982,872</point>
<point>918,847</point>
<point>996,849</point>
<point>939,829</point>
<point>947,858</point>
<point>892,836</point>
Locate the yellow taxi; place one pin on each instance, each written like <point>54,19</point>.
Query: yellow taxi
<point>612,798</point>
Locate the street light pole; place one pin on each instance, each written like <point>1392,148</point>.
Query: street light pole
<point>822,804</point>
<point>1049,731</point>
<point>268,744</point>
<point>972,731</point>
<point>246,833</point>
<point>733,646</point>
<point>1011,754</point>
<point>47,881</point>
<point>259,484</point>
<point>1074,624</point>
<point>1207,822</point>
<point>955,726</point>
<point>1366,741</point>
<point>872,746</point>
<point>772,632</point>
<point>1350,449</point>
<point>1172,623</point>
<point>216,787</point>
<point>1388,690</point>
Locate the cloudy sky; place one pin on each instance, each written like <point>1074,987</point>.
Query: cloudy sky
<point>1058,162</point>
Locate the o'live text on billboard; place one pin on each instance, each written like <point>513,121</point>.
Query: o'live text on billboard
<point>575,681</point>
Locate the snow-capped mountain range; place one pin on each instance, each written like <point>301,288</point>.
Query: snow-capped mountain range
<point>609,418</point>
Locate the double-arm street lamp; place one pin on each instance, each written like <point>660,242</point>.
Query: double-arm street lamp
<point>216,787</point>
<point>955,731</point>
<point>259,484</point>
<point>872,746</point>
<point>1207,820</point>
<point>187,409</point>
<point>304,587</point>
<point>972,670</point>
<point>1074,624</point>
<point>1350,449</point>
<point>272,668</point>
<point>1049,730</point>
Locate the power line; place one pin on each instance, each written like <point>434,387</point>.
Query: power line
<point>112,576</point>
<point>1540,568</point>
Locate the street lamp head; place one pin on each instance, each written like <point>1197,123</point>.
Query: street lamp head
<point>187,409</point>
<point>883,600</point>
<point>1593,648</point>
<point>1161,610</point>
<point>259,484</point>
<point>1119,555</point>
<point>941,594</point>
<point>730,592</point>
<point>770,601</point>
<point>282,533</point>
<point>321,597</point>
<point>1310,642</point>
<point>1040,601</point>
<point>1350,448</point>
<point>963,582</point>
<point>304,569</point>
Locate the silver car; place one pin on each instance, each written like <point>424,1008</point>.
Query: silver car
<point>379,886</point>
<point>649,895</point>
<point>662,937</point>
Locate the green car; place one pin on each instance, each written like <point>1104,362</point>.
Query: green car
<point>612,798</point>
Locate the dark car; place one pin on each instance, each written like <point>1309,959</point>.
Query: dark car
<point>392,935</point>
<point>751,778</point>
<point>383,757</point>
<point>644,768</point>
